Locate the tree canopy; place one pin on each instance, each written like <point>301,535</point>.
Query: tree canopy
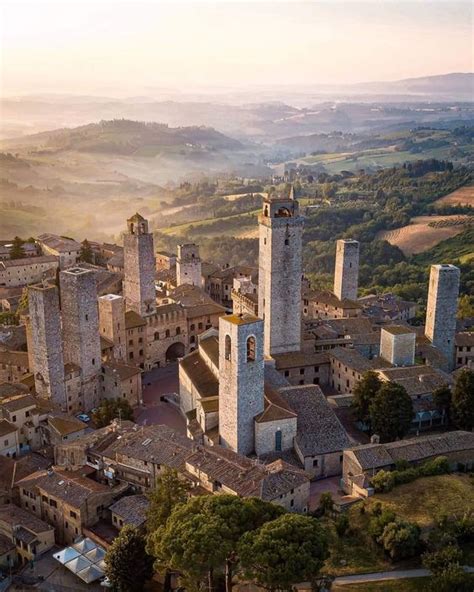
<point>364,393</point>
<point>463,400</point>
<point>283,552</point>
<point>110,409</point>
<point>391,412</point>
<point>128,565</point>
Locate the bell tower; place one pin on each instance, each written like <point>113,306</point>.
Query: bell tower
<point>280,271</point>
<point>139,267</point>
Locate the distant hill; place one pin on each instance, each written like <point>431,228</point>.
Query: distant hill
<point>455,85</point>
<point>128,138</point>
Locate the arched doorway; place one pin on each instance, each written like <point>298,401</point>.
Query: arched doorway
<point>175,351</point>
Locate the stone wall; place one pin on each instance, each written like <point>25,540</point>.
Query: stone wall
<point>265,435</point>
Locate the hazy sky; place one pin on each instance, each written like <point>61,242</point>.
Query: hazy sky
<point>133,47</point>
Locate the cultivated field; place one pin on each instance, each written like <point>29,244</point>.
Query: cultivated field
<point>464,196</point>
<point>425,232</point>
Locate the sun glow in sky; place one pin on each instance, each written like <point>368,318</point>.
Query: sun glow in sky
<point>133,46</point>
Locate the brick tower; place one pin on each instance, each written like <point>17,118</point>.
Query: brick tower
<point>441,309</point>
<point>188,265</point>
<point>280,262</point>
<point>45,343</point>
<point>241,376</point>
<point>346,276</point>
<point>81,329</point>
<point>112,323</point>
<point>139,267</point>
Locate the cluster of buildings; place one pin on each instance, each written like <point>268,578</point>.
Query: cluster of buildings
<point>267,367</point>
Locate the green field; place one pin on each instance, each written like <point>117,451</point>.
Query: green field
<point>421,501</point>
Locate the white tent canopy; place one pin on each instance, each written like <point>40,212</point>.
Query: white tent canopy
<point>85,559</point>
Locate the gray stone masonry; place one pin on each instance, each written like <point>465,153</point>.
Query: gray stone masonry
<point>112,323</point>
<point>188,265</point>
<point>346,275</point>
<point>46,344</point>
<point>139,267</point>
<point>241,380</point>
<point>442,308</point>
<point>280,270</point>
<point>81,336</point>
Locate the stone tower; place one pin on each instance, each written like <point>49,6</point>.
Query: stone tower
<point>45,343</point>
<point>280,262</point>
<point>188,265</point>
<point>346,276</point>
<point>81,329</point>
<point>139,267</point>
<point>441,309</point>
<point>112,323</point>
<point>397,345</point>
<point>241,380</point>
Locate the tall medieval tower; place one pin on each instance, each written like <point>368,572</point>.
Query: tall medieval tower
<point>241,380</point>
<point>280,263</point>
<point>139,267</point>
<point>112,323</point>
<point>346,276</point>
<point>188,265</point>
<point>81,329</point>
<point>45,343</point>
<point>442,308</point>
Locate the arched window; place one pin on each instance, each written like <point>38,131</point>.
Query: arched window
<point>157,336</point>
<point>265,212</point>
<point>278,440</point>
<point>227,347</point>
<point>251,349</point>
<point>283,213</point>
<point>167,332</point>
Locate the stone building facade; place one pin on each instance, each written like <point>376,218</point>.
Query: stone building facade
<point>139,267</point>
<point>112,323</point>
<point>45,346</point>
<point>280,272</point>
<point>81,336</point>
<point>21,272</point>
<point>346,277</point>
<point>442,308</point>
<point>397,345</point>
<point>188,265</point>
<point>241,380</point>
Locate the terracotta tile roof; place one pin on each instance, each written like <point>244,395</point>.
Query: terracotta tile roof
<point>133,319</point>
<point>352,359</point>
<point>6,545</point>
<point>14,358</point>
<point>201,310</point>
<point>465,338</point>
<point>12,404</point>
<point>12,389</point>
<point>244,476</point>
<point>299,359</point>
<point>58,243</point>
<point>210,346</point>
<point>123,371</point>
<point>6,427</point>
<point>30,261</point>
<point>319,431</point>
<point>155,443</point>
<point>276,407</point>
<point>398,330</point>
<point>371,456</point>
<point>331,300</point>
<point>65,424</point>
<point>69,486</point>
<point>15,516</point>
<point>202,378</point>
<point>132,509</point>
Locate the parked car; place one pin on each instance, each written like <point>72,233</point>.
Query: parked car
<point>83,417</point>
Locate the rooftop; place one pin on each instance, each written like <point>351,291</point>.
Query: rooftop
<point>398,330</point>
<point>374,456</point>
<point>243,319</point>
<point>123,371</point>
<point>200,375</point>
<point>244,476</point>
<point>31,261</point>
<point>132,509</point>
<point>351,358</point>
<point>319,431</point>
<point>133,319</point>
<point>15,516</point>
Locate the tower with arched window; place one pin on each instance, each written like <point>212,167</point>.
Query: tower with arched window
<point>139,267</point>
<point>241,380</point>
<point>280,271</point>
